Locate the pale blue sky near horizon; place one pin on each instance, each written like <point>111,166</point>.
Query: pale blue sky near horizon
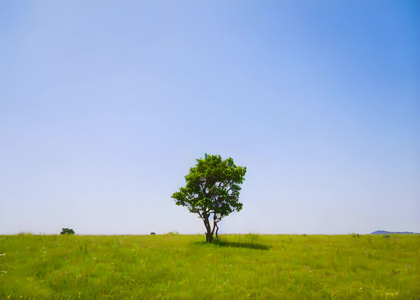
<point>105,105</point>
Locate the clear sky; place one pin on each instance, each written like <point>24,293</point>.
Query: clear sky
<point>105,105</point>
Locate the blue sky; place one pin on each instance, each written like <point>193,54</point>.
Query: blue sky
<point>105,105</point>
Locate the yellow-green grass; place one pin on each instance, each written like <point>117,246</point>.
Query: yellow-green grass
<point>183,267</point>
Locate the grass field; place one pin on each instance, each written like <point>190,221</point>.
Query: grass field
<point>183,267</point>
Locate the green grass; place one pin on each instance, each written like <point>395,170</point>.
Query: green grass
<point>183,267</point>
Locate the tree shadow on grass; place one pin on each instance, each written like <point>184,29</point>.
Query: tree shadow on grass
<point>221,243</point>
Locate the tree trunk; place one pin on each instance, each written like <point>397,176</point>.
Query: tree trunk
<point>215,221</point>
<point>209,237</point>
<point>209,233</point>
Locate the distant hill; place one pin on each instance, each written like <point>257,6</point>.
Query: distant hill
<point>392,232</point>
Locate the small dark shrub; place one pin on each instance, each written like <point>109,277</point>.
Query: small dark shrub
<point>387,236</point>
<point>67,231</point>
<point>152,233</point>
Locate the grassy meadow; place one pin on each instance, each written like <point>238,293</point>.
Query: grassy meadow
<point>183,267</point>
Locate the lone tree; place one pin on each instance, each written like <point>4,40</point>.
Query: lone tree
<point>212,190</point>
<point>67,231</point>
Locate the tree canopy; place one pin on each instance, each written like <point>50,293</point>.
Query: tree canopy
<point>212,190</point>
